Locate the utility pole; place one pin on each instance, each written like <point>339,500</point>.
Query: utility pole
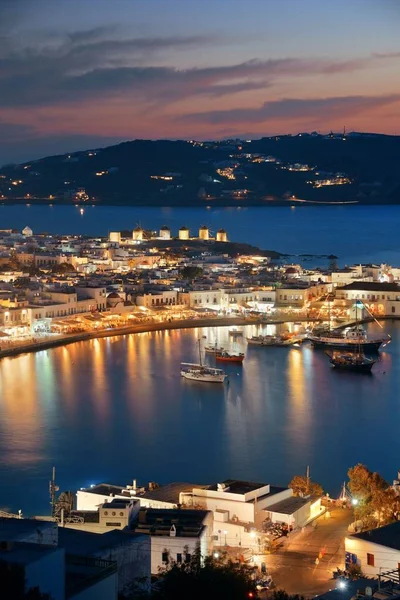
<point>308,479</point>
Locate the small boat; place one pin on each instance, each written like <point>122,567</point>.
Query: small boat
<point>213,349</point>
<point>225,356</point>
<point>198,372</point>
<point>351,361</point>
<point>256,340</point>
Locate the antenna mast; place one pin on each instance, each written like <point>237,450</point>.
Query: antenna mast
<point>53,488</point>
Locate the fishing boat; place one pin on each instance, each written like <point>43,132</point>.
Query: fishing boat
<point>200,372</point>
<point>351,361</point>
<point>225,356</point>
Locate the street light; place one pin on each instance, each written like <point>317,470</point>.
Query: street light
<point>354,501</point>
<point>216,554</point>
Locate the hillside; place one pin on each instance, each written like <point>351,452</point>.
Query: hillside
<point>363,168</point>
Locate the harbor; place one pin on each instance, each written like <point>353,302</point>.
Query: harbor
<point>280,408</point>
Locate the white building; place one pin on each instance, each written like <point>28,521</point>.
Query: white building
<point>164,298</point>
<point>176,534</point>
<point>222,236</point>
<point>27,232</point>
<point>35,546</point>
<point>204,233</point>
<point>184,233</point>
<point>137,234</point>
<point>242,507</point>
<point>115,237</point>
<point>165,233</point>
<point>376,550</point>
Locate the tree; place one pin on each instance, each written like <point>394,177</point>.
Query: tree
<point>377,502</point>
<point>191,273</point>
<point>303,486</point>
<point>211,579</point>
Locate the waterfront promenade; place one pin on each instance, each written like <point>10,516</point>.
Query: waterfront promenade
<point>14,348</point>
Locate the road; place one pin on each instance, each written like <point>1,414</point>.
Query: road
<point>293,567</point>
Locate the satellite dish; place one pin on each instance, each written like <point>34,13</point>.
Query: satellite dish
<point>368,591</point>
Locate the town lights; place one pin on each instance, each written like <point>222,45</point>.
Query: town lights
<point>216,554</point>
<point>342,585</point>
<point>354,501</point>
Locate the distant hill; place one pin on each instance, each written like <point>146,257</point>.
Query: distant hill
<point>358,167</point>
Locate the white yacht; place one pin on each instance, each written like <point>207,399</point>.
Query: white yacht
<point>198,372</point>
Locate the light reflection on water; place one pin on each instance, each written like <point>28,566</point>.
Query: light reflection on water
<point>117,409</point>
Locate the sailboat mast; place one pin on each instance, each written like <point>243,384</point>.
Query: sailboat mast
<point>329,310</point>
<point>199,340</point>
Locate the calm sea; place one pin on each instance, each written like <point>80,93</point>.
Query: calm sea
<point>354,233</point>
<point>117,409</point>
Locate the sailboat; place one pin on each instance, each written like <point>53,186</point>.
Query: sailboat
<point>351,361</point>
<point>200,372</point>
<point>353,338</point>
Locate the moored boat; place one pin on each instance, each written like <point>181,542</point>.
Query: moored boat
<point>351,361</point>
<point>352,338</point>
<point>225,356</point>
<point>198,372</point>
<point>260,340</point>
<point>213,349</point>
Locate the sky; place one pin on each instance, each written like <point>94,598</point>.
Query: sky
<point>78,74</point>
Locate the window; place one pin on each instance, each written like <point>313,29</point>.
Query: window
<point>393,309</point>
<point>187,557</point>
<point>370,560</point>
<point>179,558</point>
<point>164,557</point>
<point>113,524</point>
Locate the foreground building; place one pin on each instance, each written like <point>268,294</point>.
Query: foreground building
<point>376,550</point>
<point>35,546</point>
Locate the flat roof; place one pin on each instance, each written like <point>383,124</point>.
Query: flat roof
<point>371,286</point>
<point>288,506</point>
<point>238,486</point>
<point>105,489</point>
<point>388,536</point>
<point>170,492</point>
<point>12,529</point>
<point>84,543</point>
<point>159,521</point>
<point>26,553</point>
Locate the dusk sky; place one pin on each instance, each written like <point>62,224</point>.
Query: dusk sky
<point>78,74</point>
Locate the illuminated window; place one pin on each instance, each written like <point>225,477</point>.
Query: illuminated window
<point>370,560</point>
